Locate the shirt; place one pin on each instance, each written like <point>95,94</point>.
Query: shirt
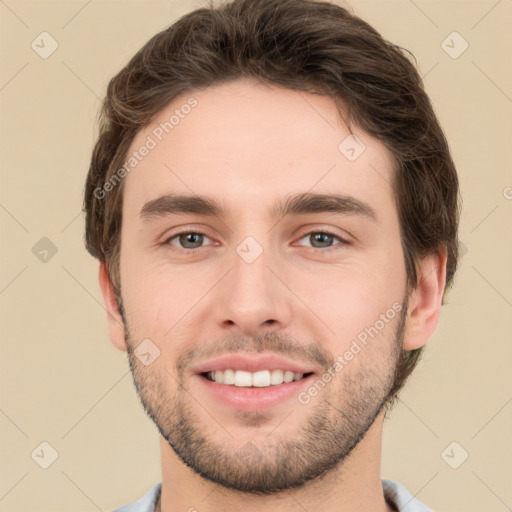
<point>394,492</point>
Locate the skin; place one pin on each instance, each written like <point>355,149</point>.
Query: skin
<point>248,145</point>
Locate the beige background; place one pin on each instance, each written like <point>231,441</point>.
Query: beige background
<point>63,382</point>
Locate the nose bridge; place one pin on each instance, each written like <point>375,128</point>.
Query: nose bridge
<point>253,296</point>
<point>250,272</point>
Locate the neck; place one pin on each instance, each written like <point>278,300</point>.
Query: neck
<point>353,486</point>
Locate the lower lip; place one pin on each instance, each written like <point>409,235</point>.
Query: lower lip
<point>250,399</point>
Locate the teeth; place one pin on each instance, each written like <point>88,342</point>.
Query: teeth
<point>259,379</point>
<point>276,377</point>
<point>242,379</point>
<point>228,377</point>
<point>288,376</point>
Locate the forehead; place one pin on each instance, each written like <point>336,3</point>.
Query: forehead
<point>242,140</point>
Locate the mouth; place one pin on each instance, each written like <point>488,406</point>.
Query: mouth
<point>258,379</point>
<point>252,382</point>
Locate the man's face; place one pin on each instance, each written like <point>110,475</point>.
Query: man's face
<point>254,283</point>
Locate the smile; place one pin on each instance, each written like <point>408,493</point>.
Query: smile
<point>259,379</point>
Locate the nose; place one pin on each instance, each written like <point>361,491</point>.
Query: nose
<point>253,297</point>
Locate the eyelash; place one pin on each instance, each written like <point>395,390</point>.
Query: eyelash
<point>199,232</point>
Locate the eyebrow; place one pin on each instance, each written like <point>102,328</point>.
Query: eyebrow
<point>296,204</point>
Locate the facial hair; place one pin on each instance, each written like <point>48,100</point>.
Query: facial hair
<point>338,418</point>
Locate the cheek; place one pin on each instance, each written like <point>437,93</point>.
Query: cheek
<point>350,298</point>
<point>347,305</point>
<point>159,296</point>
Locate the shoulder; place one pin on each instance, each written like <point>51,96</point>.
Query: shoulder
<point>144,504</point>
<point>401,498</point>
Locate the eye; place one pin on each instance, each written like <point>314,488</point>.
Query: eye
<point>193,240</point>
<point>323,239</point>
<point>188,240</point>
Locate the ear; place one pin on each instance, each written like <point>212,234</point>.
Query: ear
<point>115,321</point>
<point>425,300</point>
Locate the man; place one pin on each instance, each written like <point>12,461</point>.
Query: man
<point>275,210</point>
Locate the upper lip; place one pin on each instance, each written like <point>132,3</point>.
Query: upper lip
<point>252,363</point>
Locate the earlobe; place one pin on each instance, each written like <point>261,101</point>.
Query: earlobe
<point>115,321</point>
<point>425,300</point>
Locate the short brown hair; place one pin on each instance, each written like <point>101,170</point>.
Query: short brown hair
<point>302,45</point>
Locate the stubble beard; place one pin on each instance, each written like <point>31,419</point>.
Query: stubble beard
<point>339,417</point>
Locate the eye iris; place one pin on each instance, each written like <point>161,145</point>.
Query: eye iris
<point>189,237</point>
<point>321,236</point>
<point>196,239</point>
